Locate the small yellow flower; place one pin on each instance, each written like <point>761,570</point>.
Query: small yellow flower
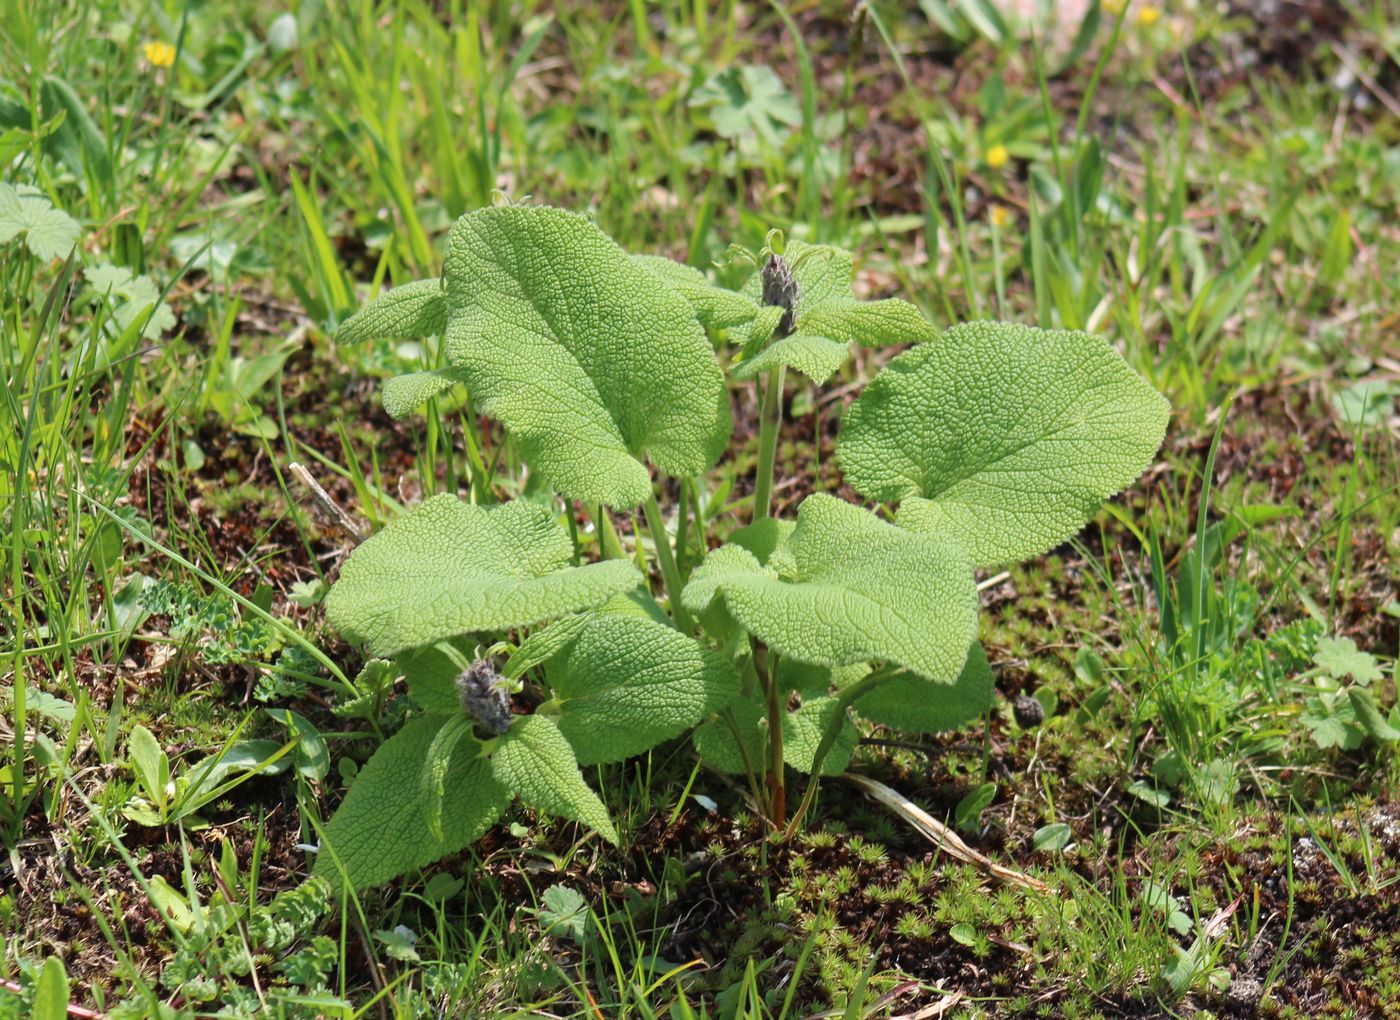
<point>1001,216</point>
<point>1149,15</point>
<point>1114,7</point>
<point>997,157</point>
<point>159,54</point>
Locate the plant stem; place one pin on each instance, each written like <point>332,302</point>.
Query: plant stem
<point>844,701</point>
<point>770,417</point>
<point>669,573</point>
<point>777,785</point>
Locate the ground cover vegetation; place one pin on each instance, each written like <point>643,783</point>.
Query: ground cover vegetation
<point>693,510</point>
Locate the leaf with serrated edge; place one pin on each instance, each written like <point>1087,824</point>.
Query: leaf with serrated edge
<point>50,233</point>
<point>535,760</point>
<point>848,587</point>
<point>816,357</point>
<point>575,349</point>
<point>432,785</point>
<point>716,307</point>
<point>1003,437</point>
<point>869,323</point>
<point>627,683</point>
<point>916,705</point>
<point>404,394</point>
<point>380,830</point>
<point>804,728</point>
<point>407,312</point>
<point>447,568</point>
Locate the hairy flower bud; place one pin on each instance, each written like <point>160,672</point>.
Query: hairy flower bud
<point>780,289</point>
<point>1028,711</point>
<point>484,696</point>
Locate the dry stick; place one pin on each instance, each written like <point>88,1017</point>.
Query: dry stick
<point>323,499</point>
<point>943,837</point>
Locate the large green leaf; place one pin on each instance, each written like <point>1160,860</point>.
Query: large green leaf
<point>916,705</point>
<point>448,568</point>
<point>381,830</point>
<point>534,760</point>
<point>575,348</point>
<point>626,683</point>
<point>1003,437</point>
<point>715,741</point>
<point>848,587</point>
<point>413,310</point>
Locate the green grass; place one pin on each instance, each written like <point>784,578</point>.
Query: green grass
<point>1230,230</point>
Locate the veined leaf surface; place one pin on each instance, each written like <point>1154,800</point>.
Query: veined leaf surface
<point>410,311</point>
<point>573,346</point>
<point>626,683</point>
<point>533,759</point>
<point>848,587</point>
<point>381,829</point>
<point>1003,437</point>
<point>447,568</point>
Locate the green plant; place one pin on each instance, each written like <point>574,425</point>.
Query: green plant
<point>997,442</point>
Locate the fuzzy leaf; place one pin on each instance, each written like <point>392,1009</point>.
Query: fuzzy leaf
<point>411,311</point>
<point>869,323</point>
<point>431,675</point>
<point>627,683</point>
<point>381,830</point>
<point>848,587</point>
<point>433,781</point>
<point>448,568</point>
<point>715,742</point>
<point>1003,437</point>
<point>50,233</point>
<point>816,357</point>
<point>916,705</point>
<point>803,731</point>
<point>716,307</point>
<point>571,345</point>
<point>405,394</point>
<point>828,319</point>
<point>535,760</point>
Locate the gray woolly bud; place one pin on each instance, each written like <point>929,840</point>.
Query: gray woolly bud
<point>780,290</point>
<point>484,696</point>
<point>1029,711</point>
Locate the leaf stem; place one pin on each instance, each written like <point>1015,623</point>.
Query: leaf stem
<point>844,700</point>
<point>770,418</point>
<point>667,561</point>
<point>777,784</point>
